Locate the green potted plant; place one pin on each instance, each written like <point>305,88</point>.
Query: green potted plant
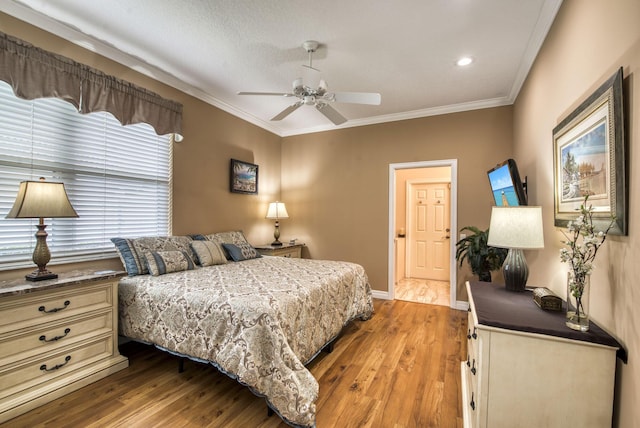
<point>482,258</point>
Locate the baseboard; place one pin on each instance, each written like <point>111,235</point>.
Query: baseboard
<point>378,294</point>
<point>460,305</point>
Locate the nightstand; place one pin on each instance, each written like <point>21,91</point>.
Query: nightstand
<point>284,250</point>
<point>56,336</point>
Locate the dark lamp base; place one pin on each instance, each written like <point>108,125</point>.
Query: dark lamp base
<point>276,244</point>
<point>37,275</point>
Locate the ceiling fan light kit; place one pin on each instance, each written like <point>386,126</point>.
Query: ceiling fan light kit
<point>319,97</point>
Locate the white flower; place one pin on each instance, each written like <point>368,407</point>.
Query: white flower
<point>582,244</point>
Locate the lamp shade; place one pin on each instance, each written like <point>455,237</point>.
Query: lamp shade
<point>516,227</point>
<point>277,210</point>
<point>38,199</point>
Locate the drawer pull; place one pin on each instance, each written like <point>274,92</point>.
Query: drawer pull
<point>53,339</point>
<point>473,403</point>
<point>57,366</point>
<point>468,361</point>
<point>473,368</point>
<point>474,335</point>
<point>54,310</point>
<point>469,334</point>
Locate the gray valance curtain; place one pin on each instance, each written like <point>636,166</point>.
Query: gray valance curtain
<point>36,73</point>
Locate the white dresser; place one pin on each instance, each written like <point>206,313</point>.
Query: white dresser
<point>56,336</point>
<point>525,368</point>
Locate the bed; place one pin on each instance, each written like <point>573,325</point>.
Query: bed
<point>259,319</point>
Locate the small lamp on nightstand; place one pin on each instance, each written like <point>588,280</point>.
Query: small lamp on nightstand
<point>39,199</point>
<point>276,211</point>
<point>516,228</point>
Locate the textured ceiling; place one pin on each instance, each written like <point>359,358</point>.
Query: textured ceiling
<point>405,50</point>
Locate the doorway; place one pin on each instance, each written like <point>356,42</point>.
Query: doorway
<point>422,216</point>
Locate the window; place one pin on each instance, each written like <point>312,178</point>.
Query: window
<point>118,178</point>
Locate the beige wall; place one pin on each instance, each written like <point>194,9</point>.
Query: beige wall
<point>202,202</point>
<point>337,182</point>
<point>588,42</point>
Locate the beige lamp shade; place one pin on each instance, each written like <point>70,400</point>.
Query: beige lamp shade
<point>38,199</point>
<point>276,211</point>
<point>516,227</point>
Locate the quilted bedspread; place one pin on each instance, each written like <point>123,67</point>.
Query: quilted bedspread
<point>259,321</point>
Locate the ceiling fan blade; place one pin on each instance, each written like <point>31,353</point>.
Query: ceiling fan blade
<point>286,112</point>
<point>310,68</point>
<point>357,97</point>
<point>331,113</point>
<point>281,94</point>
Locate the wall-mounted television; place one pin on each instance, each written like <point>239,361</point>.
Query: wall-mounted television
<point>507,188</point>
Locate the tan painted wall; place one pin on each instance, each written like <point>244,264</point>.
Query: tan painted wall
<point>202,202</point>
<point>336,182</point>
<point>588,42</point>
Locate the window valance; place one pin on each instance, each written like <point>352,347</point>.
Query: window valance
<point>35,73</point>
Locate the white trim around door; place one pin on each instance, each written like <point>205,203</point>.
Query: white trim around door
<point>453,164</point>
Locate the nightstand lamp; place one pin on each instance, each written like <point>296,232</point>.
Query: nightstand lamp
<point>276,211</point>
<point>516,228</point>
<point>39,199</point>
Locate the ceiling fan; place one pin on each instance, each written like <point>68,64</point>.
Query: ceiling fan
<point>319,97</point>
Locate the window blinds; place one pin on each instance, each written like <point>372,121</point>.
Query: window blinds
<point>118,178</point>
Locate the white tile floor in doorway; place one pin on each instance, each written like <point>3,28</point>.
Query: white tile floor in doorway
<point>423,291</point>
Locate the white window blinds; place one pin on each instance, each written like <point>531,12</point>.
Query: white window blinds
<point>118,178</point>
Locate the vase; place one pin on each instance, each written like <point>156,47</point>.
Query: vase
<point>578,288</point>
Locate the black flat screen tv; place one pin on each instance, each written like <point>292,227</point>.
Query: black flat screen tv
<point>507,188</point>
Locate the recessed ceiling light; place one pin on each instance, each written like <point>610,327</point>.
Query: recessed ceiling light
<point>464,61</point>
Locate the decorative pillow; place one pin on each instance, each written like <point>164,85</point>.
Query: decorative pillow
<point>132,251</point>
<point>233,237</point>
<point>241,252</point>
<point>209,253</point>
<point>128,256</point>
<point>161,262</point>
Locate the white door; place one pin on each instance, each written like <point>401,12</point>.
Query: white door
<point>429,231</point>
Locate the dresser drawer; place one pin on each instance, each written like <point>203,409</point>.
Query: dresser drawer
<point>21,312</point>
<point>53,335</point>
<point>43,368</point>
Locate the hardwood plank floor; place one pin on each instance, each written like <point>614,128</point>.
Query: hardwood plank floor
<point>399,369</point>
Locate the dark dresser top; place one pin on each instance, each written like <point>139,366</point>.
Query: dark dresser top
<point>497,307</point>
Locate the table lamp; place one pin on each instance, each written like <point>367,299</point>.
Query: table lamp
<point>39,199</point>
<point>516,228</point>
<point>276,211</point>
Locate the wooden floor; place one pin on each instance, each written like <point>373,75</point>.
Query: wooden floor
<point>423,291</point>
<point>399,369</point>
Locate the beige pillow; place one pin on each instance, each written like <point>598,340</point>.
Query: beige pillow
<point>209,253</point>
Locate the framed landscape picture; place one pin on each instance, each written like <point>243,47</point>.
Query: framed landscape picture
<point>589,160</point>
<point>243,177</point>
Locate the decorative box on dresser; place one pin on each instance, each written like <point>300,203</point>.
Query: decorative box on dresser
<point>56,336</point>
<point>284,250</point>
<point>525,368</point>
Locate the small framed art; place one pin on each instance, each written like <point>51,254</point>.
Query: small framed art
<point>243,177</point>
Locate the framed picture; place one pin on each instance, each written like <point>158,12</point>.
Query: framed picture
<point>589,159</point>
<point>243,177</point>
